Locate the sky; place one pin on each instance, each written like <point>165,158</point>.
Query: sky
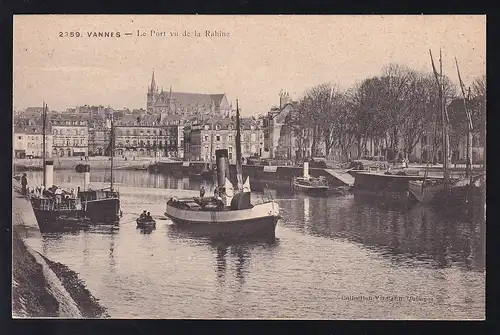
<point>257,58</point>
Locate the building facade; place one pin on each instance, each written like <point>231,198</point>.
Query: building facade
<point>19,144</point>
<point>70,134</point>
<point>70,140</point>
<point>99,139</point>
<point>201,140</point>
<point>28,142</point>
<point>143,140</point>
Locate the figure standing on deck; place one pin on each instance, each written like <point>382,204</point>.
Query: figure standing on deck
<point>58,194</point>
<point>24,183</point>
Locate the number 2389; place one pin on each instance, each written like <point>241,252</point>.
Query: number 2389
<point>69,34</point>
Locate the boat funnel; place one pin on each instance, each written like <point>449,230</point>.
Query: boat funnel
<point>86,177</point>
<point>222,160</point>
<point>306,169</point>
<point>49,174</point>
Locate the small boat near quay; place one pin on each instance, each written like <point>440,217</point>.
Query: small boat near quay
<point>310,185</point>
<point>146,223</point>
<point>229,214</point>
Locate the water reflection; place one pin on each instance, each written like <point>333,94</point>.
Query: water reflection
<point>419,233</point>
<point>146,230</point>
<point>327,247</point>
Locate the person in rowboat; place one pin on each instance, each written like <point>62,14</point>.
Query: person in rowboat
<point>143,215</point>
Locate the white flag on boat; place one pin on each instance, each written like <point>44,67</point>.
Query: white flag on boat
<point>229,188</point>
<point>246,185</point>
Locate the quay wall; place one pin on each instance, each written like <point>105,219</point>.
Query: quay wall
<point>41,287</point>
<point>96,163</point>
<point>257,173</point>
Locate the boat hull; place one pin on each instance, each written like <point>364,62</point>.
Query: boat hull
<point>146,224</point>
<point>310,190</point>
<point>103,210</point>
<point>57,221</point>
<point>256,222</point>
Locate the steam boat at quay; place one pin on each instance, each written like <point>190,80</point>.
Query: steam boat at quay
<point>229,213</point>
<point>54,208</point>
<point>310,185</point>
<point>101,205</point>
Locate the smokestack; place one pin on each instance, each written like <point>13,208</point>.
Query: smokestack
<point>86,177</point>
<point>306,169</point>
<point>49,174</point>
<point>222,161</point>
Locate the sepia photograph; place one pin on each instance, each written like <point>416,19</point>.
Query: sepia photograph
<point>326,167</point>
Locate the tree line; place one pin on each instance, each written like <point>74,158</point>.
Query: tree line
<point>394,110</point>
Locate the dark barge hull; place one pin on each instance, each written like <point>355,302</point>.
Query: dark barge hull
<point>59,221</point>
<point>263,228</point>
<point>103,210</point>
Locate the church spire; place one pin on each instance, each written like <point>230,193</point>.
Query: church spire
<point>153,82</point>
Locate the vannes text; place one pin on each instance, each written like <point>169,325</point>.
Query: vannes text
<point>90,34</point>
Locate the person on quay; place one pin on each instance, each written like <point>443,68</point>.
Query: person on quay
<point>202,192</point>
<point>24,183</point>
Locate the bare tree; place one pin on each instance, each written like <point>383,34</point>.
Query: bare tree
<point>298,124</point>
<point>478,110</point>
<point>367,113</point>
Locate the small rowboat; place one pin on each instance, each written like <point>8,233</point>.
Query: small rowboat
<point>145,223</point>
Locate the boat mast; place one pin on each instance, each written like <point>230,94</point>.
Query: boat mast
<point>112,150</point>
<point>44,121</point>
<point>468,168</point>
<point>239,174</point>
<point>211,141</point>
<point>443,116</point>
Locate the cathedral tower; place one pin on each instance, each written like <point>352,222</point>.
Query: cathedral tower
<point>152,94</point>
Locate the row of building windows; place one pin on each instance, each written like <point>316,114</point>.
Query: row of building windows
<point>218,138</point>
<point>230,127</point>
<point>76,142</point>
<point>82,132</point>
<point>69,123</point>
<point>136,132</point>
<point>147,143</point>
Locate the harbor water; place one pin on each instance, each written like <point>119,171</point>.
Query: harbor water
<point>333,258</point>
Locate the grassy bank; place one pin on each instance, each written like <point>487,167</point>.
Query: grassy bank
<point>86,302</point>
<point>30,295</point>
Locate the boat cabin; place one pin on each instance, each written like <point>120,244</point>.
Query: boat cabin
<point>90,195</point>
<point>50,204</point>
<point>311,181</point>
